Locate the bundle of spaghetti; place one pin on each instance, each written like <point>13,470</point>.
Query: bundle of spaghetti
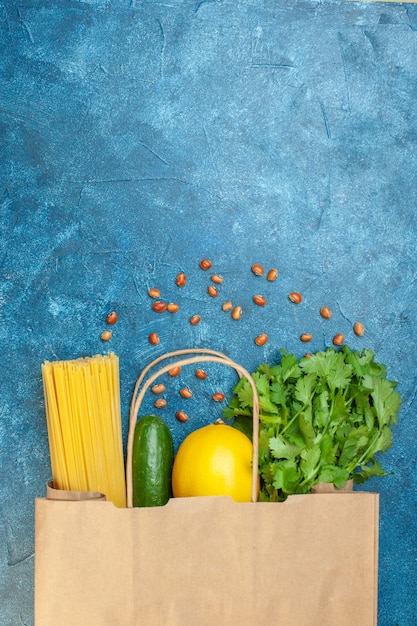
<point>82,404</point>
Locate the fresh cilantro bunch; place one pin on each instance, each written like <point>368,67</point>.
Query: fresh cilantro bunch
<point>323,418</point>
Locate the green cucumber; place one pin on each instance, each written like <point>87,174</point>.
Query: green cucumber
<point>152,459</point>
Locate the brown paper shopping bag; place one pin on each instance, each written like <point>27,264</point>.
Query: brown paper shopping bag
<point>208,561</point>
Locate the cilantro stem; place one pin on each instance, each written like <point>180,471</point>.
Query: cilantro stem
<point>294,417</point>
<point>362,459</point>
<point>312,474</point>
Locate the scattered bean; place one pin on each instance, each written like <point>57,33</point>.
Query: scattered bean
<point>181,416</point>
<point>154,293</point>
<point>338,339</point>
<point>227,306</point>
<point>112,318</point>
<point>325,312</point>
<point>106,335</point>
<point>212,291</point>
<point>153,339</point>
<point>172,307</point>
<point>218,421</point>
<point>295,297</point>
<point>306,337</point>
<point>257,269</point>
<point>160,403</point>
<point>181,279</point>
<point>159,306</point>
<point>261,339</point>
<point>201,374</point>
<point>307,354</point>
<point>259,300</point>
<point>359,329</point>
<point>195,319</point>
<point>272,275</point>
<point>186,393</point>
<point>205,264</point>
<point>237,313</point>
<point>216,278</point>
<point>218,396</point>
<point>174,371</point>
<point>158,388</point>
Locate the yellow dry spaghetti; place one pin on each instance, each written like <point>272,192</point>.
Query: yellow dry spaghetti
<point>82,403</point>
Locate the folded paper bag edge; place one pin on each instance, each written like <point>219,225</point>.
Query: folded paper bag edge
<point>71,495</point>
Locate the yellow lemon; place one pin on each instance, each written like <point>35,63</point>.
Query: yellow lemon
<point>215,460</point>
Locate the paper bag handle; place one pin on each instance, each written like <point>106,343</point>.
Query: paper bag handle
<point>200,355</point>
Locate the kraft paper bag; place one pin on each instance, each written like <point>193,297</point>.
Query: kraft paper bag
<point>206,561</point>
<point>209,561</point>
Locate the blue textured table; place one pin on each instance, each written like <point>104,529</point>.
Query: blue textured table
<point>138,137</point>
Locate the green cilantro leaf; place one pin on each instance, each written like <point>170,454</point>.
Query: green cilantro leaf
<point>281,449</point>
<point>309,461</point>
<point>262,383</point>
<point>304,388</point>
<point>305,424</point>
<point>333,474</point>
<point>373,469</point>
<point>278,393</point>
<point>245,395</point>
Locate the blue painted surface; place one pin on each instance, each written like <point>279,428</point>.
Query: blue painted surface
<point>138,137</point>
